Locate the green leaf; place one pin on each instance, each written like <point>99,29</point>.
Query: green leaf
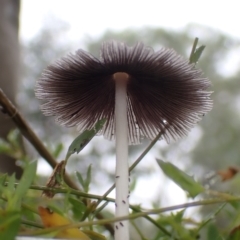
<point>84,138</point>
<point>3,179</point>
<point>196,52</point>
<point>23,185</point>
<point>183,180</point>
<point>179,216</point>
<point>9,224</point>
<point>88,178</point>
<point>8,192</point>
<point>85,183</point>
<point>133,183</point>
<point>55,208</point>
<point>13,137</point>
<point>235,205</point>
<point>5,147</point>
<point>234,235</point>
<point>80,179</point>
<point>78,207</point>
<point>213,233</point>
<point>57,150</point>
<point>211,216</point>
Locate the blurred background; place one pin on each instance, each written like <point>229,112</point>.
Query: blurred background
<point>35,33</point>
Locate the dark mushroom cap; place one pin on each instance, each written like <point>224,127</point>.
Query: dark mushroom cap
<point>164,93</point>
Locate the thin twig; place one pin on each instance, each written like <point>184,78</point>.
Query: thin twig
<point>27,132</point>
<point>31,223</point>
<point>138,230</point>
<point>138,215</point>
<point>135,163</point>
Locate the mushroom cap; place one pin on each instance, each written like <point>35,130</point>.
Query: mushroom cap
<point>164,92</point>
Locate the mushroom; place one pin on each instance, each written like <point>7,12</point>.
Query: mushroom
<point>138,91</point>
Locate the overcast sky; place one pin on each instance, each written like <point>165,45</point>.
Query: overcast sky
<point>94,17</point>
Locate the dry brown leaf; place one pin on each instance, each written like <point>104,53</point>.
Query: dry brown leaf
<point>227,174</point>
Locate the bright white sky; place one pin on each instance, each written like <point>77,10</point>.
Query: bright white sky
<point>93,17</point>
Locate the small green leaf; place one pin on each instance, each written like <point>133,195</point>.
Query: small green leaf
<point>196,52</point>
<point>23,185</point>
<point>58,150</point>
<point>235,205</point>
<point>80,179</point>
<point>53,207</point>
<point>84,138</point>
<point>26,179</point>
<point>9,224</point>
<point>179,216</point>
<point>133,183</point>
<point>9,191</point>
<point>3,179</point>
<point>213,233</point>
<point>14,138</point>
<point>5,147</point>
<point>78,207</point>
<point>183,180</point>
<point>85,183</point>
<point>211,217</point>
<point>88,178</point>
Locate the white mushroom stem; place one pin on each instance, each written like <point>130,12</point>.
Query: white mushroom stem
<point>122,174</point>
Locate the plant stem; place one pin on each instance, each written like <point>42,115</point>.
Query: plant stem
<point>122,175</point>
<point>138,215</point>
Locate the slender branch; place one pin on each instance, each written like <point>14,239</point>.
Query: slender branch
<point>138,160</point>
<point>27,132</point>
<point>136,209</point>
<point>71,191</point>
<point>161,210</point>
<point>143,154</point>
<point>138,230</point>
<point>31,223</point>
<point>98,197</point>
<point>222,197</point>
<point>137,215</point>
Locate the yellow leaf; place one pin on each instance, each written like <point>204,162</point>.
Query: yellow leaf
<point>51,219</point>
